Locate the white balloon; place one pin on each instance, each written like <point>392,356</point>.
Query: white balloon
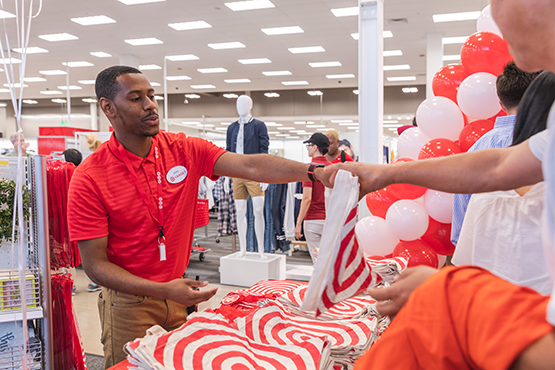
<point>410,142</point>
<point>407,219</point>
<point>486,23</point>
<point>477,96</point>
<point>439,205</point>
<point>440,117</point>
<point>375,237</point>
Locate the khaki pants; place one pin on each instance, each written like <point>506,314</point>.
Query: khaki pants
<point>125,317</point>
<point>242,188</point>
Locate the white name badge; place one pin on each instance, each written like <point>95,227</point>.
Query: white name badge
<point>176,174</point>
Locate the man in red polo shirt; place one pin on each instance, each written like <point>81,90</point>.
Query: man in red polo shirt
<point>131,209</point>
<point>335,155</point>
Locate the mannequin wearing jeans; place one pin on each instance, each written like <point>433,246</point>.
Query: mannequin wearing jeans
<point>248,136</point>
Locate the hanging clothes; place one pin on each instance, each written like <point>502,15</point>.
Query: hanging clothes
<point>227,214</point>
<point>278,214</point>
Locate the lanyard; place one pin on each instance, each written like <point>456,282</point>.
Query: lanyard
<point>160,219</point>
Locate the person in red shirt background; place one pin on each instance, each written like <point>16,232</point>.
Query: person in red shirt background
<point>335,155</point>
<point>313,204</point>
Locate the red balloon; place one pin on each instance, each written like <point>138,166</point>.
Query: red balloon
<point>465,117</point>
<point>379,201</point>
<point>417,253</point>
<point>438,148</point>
<point>447,80</point>
<point>433,225</point>
<point>485,52</point>
<point>471,133</point>
<point>440,239</point>
<point>405,191</point>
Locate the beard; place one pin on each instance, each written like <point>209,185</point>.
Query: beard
<point>140,129</point>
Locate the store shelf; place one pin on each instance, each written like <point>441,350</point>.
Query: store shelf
<point>32,313</point>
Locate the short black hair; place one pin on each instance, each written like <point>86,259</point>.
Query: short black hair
<point>323,149</point>
<point>345,142</point>
<point>512,83</point>
<point>106,85</point>
<point>74,156</point>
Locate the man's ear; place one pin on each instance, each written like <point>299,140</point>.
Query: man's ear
<point>107,107</point>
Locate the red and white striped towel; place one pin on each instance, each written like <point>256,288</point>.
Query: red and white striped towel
<point>279,287</point>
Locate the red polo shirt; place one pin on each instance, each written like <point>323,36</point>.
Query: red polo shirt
<point>104,201</point>
<point>317,208</point>
<point>338,158</point>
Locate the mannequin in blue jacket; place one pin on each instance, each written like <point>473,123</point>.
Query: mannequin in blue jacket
<point>248,136</point>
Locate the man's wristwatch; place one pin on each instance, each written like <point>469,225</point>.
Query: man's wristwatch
<point>310,171</point>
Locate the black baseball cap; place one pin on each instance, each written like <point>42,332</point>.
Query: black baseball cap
<point>319,140</point>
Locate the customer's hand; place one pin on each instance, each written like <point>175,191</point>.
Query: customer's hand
<point>391,299</point>
<point>181,291</point>
<point>371,177</point>
<point>298,234</point>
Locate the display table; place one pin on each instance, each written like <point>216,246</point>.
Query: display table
<point>121,366</point>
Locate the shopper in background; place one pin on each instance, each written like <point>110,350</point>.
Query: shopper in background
<point>130,208</point>
<point>73,155</point>
<point>346,146</point>
<point>18,145</point>
<point>313,204</point>
<point>334,154</point>
<point>511,85</point>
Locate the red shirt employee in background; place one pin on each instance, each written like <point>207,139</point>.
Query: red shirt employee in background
<point>335,155</point>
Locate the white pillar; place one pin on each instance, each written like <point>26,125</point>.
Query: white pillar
<point>370,80</point>
<point>165,112</point>
<point>129,60</point>
<point>68,97</point>
<point>434,59</point>
<point>94,116</point>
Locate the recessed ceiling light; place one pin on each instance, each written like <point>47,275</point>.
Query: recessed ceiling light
<point>59,101</point>
<point>16,85</point>
<point>5,91</point>
<point>177,78</point>
<point>282,30</point>
<point>34,79</point>
<point>87,82</point>
<point>347,123</point>
<point>70,87</point>
<point>345,12</point>
<point>93,20</point>
<point>322,129</point>
<point>78,64</point>
<point>53,72</point>
<point>273,124</point>
<point>355,36</point>
<point>50,92</point>
<point>387,34</point>
<point>408,90</point>
<point>10,61</point>
<point>237,81</point>
<point>292,83</point>
<point>144,41</point>
<point>451,57</point>
<point>255,61</point>
<point>89,100</point>
<point>238,6</point>
<point>227,45</point>
<point>346,75</point>
<point>392,53</point>
<point>299,122</point>
<point>325,64</point>
<point>192,96</point>
<point>6,15</point>
<point>230,96</point>
<point>135,2</point>
<point>307,49</point>
<point>271,95</point>
<point>221,129</point>
<point>158,97</point>
<point>100,54</point>
<point>277,73</point>
<point>152,83</point>
<point>286,128</point>
<point>180,58</point>
<point>341,121</point>
<point>315,93</point>
<point>355,92</point>
<point>402,78</point>
<point>454,40</point>
<point>31,50</point>
<point>398,67</point>
<point>453,17</point>
<point>185,26</point>
<point>28,101</point>
<point>203,87</point>
<point>212,70</point>
<point>58,37</point>
<point>149,67</point>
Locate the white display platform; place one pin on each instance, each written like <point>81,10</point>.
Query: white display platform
<point>298,272</point>
<point>249,270</point>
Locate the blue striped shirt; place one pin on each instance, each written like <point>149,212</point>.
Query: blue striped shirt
<point>500,137</point>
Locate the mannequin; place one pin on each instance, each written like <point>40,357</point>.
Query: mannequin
<point>248,136</point>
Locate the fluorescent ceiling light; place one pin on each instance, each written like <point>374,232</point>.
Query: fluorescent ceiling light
<point>28,101</point>
<point>355,92</point>
<point>177,78</point>
<point>6,15</point>
<point>87,82</point>
<point>230,96</point>
<point>282,30</point>
<point>149,67</point>
<point>255,61</point>
<point>34,79</point>
<point>355,36</point>
<point>271,95</point>
<point>180,58</point>
<point>392,53</point>
<point>221,129</point>
<point>454,40</point>
<point>451,57</point>
<point>387,34</point>
<point>299,122</point>
<point>392,129</point>
<point>10,61</point>
<point>352,128</point>
<point>238,6</point>
<point>53,72</point>
<point>273,132</point>
<point>212,70</point>
<point>144,41</point>
<point>283,135</point>
<point>394,125</point>
<point>286,128</point>
<point>316,126</point>
<point>50,92</point>
<point>59,101</point>
<point>273,124</point>
<point>100,54</point>
<point>408,90</point>
<point>78,64</point>
<point>31,50</point>
<point>277,73</point>
<point>89,100</point>
<point>93,20</point>
<point>346,75</point>
<point>192,96</point>
<point>341,121</point>
<point>58,37</point>
<point>158,97</point>
<point>453,17</point>
<point>397,67</point>
<point>152,83</point>
<point>324,64</point>
<point>307,49</point>
<point>292,83</point>
<point>345,12</point>
<point>16,85</point>
<point>5,91</point>
<point>203,87</point>
<point>315,93</point>
<point>322,129</point>
<point>348,123</point>
<point>185,26</point>
<point>135,2</point>
<point>70,87</point>
<point>402,78</point>
<point>237,81</point>
<point>227,45</point>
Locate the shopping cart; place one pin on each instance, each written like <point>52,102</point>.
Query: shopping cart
<point>201,220</point>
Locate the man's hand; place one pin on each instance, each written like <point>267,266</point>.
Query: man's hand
<point>371,177</point>
<point>298,234</point>
<point>181,291</point>
<point>391,299</point>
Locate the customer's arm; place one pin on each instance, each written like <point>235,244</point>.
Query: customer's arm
<point>103,272</point>
<point>305,203</point>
